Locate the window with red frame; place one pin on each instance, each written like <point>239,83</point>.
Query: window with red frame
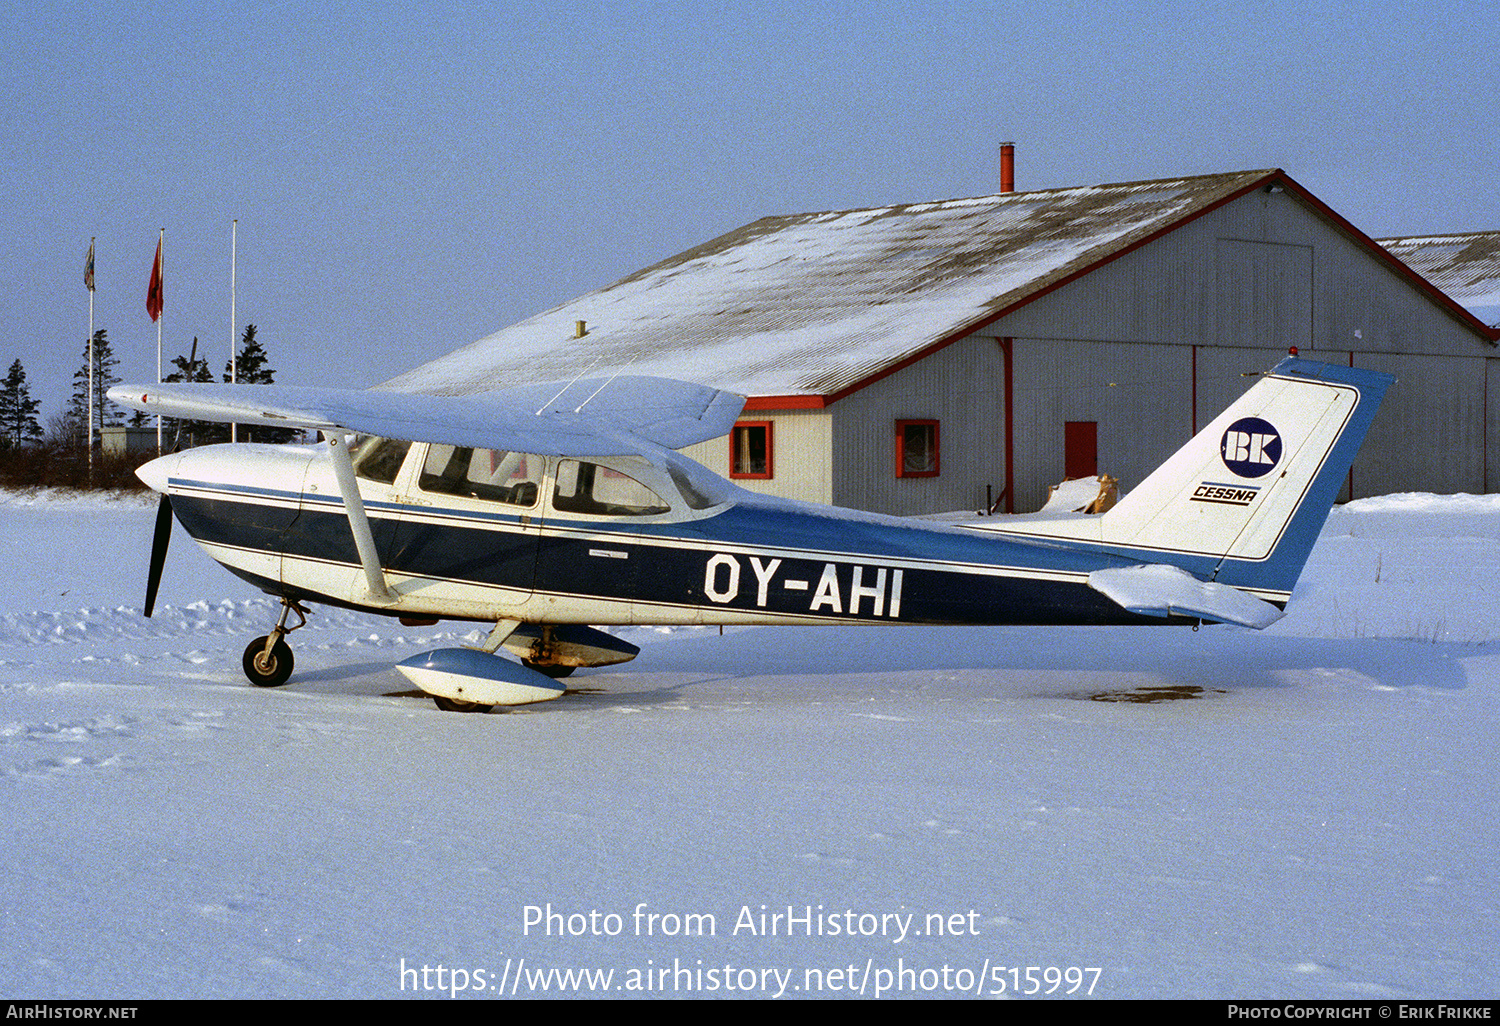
<point>750,449</point>
<point>917,448</point>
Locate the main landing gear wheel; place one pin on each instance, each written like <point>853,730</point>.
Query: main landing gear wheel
<point>454,705</point>
<point>268,669</point>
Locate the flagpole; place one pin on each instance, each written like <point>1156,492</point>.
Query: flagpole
<point>161,274</point>
<point>88,279</point>
<point>234,227</point>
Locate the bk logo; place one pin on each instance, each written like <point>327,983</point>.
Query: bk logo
<point>1251,447</point>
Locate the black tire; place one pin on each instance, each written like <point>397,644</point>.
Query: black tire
<point>453,705</point>
<point>552,670</point>
<point>268,671</point>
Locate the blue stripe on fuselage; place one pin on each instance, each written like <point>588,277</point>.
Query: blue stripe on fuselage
<point>838,567</point>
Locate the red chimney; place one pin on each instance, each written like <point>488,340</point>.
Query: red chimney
<point>1007,167</point>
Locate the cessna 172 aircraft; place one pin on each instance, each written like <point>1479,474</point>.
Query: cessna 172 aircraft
<point>545,509</point>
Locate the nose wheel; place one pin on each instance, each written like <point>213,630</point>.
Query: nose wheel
<point>268,660</point>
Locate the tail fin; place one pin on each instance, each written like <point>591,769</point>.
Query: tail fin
<point>1242,503</point>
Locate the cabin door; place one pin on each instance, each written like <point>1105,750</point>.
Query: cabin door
<point>466,537</point>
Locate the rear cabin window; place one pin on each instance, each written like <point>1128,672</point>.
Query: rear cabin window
<point>494,475</point>
<point>594,490</point>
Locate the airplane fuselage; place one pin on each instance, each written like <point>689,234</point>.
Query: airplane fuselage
<point>273,516</point>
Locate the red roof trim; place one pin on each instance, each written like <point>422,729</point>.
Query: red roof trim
<point>786,402</point>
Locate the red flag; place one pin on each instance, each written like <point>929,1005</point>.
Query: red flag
<point>154,290</point>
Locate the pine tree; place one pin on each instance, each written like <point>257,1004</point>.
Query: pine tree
<point>106,413</point>
<point>18,420</point>
<point>251,362</point>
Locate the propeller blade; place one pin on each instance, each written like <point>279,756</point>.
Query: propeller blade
<point>159,539</point>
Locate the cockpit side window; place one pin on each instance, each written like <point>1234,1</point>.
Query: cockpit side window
<point>494,475</point>
<point>378,459</point>
<point>596,490</point>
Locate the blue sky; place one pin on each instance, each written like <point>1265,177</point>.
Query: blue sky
<point>407,180</point>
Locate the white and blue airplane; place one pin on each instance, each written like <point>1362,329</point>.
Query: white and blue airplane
<point>549,510</point>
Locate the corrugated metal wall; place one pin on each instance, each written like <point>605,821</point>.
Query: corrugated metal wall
<point>1140,395</point>
<point>1492,424</point>
<point>1263,293</point>
<point>1430,435</point>
<point>962,387</point>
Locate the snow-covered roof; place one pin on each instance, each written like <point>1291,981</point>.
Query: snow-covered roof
<point>1466,267</point>
<point>814,304</point>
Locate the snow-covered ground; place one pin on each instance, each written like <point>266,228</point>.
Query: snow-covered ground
<point>1307,811</point>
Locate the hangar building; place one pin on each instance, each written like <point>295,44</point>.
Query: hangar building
<point>919,358</point>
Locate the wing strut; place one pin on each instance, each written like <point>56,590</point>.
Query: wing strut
<point>359,524</point>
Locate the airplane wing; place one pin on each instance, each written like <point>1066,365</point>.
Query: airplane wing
<point>592,417</point>
<point>1155,589</point>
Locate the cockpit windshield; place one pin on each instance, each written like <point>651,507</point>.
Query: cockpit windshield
<point>376,458</point>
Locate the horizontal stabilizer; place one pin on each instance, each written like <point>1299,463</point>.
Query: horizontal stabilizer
<point>1155,589</point>
<point>595,417</point>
